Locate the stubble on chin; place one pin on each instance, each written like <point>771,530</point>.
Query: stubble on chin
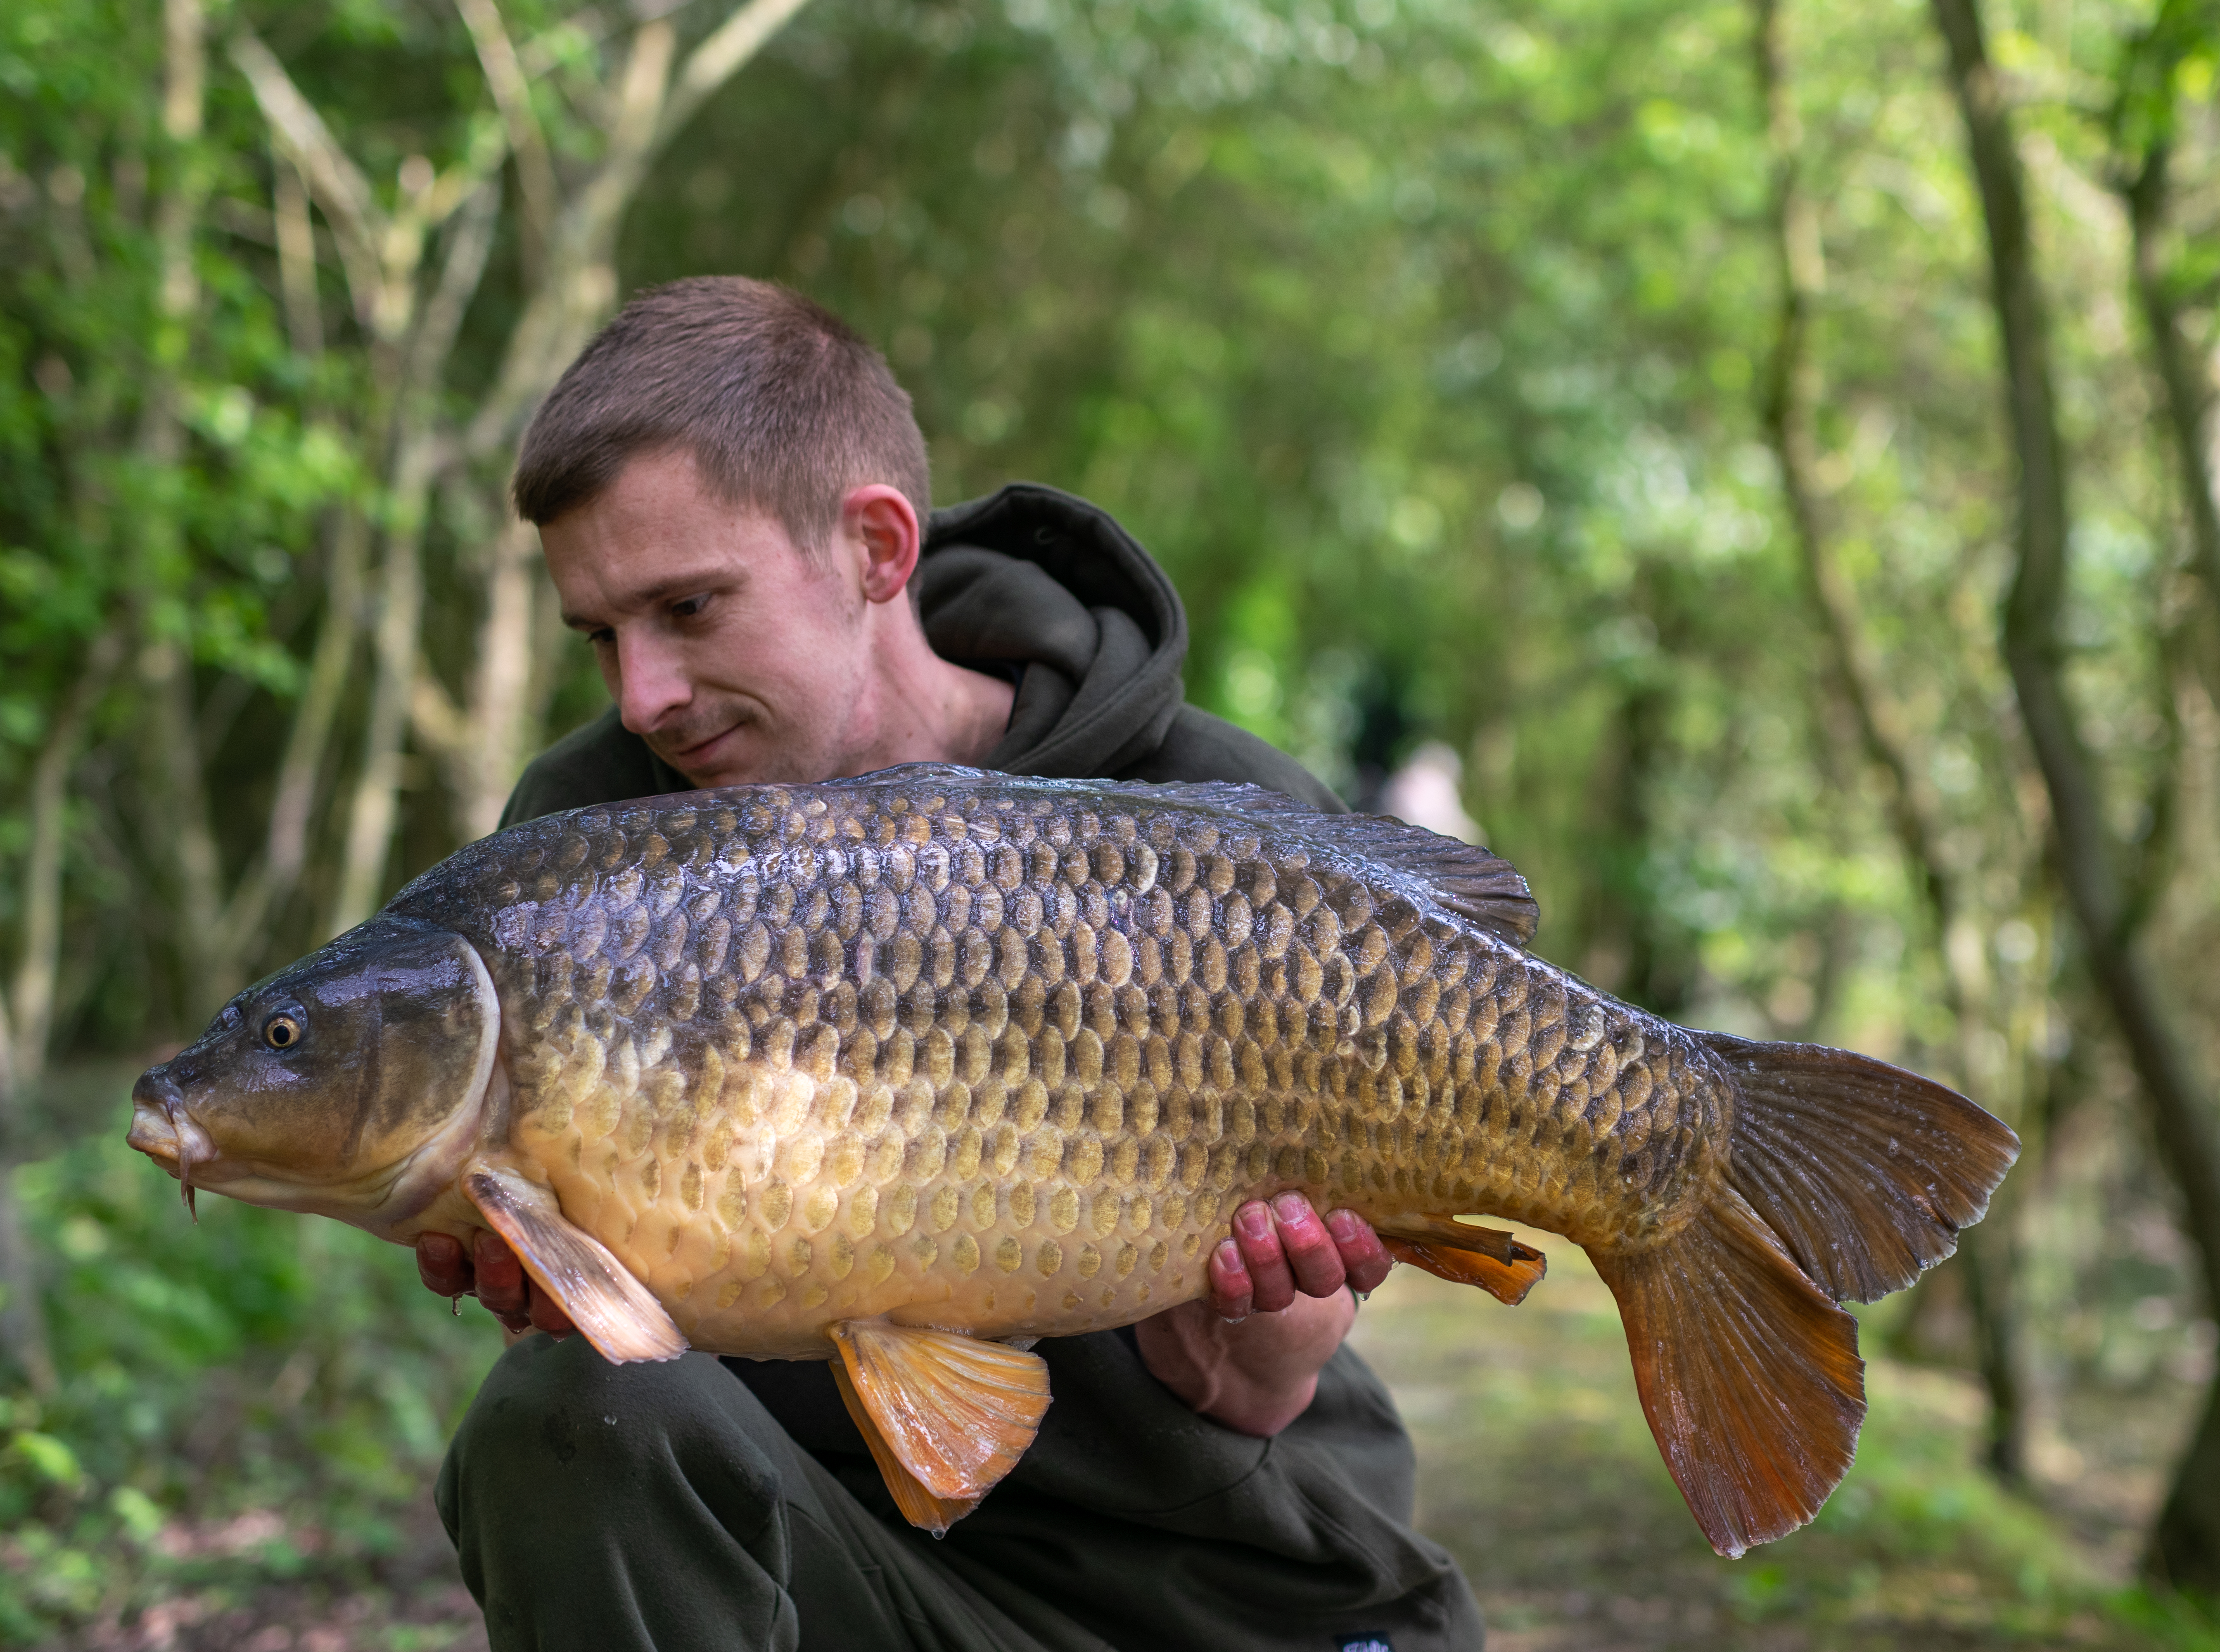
<point>751,760</point>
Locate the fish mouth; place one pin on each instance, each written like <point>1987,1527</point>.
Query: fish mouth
<point>163,1130</point>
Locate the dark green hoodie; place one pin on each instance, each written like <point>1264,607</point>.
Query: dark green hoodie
<point>1130,1518</point>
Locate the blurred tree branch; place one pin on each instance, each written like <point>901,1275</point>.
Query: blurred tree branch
<point>412,335</point>
<point>512,93</point>
<point>570,287</point>
<point>2143,130</point>
<point>2144,127</point>
<point>2187,379</point>
<point>2186,1545</point>
<point>165,661</point>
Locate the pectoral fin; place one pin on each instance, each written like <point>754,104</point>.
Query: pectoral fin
<point>946,1415</point>
<point>611,1308</point>
<point>1486,1256</point>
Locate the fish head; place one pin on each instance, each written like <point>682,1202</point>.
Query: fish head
<point>353,1083</point>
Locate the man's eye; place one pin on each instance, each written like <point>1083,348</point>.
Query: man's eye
<point>689,606</point>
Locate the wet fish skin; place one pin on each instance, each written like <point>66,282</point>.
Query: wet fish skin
<point>394,1035</point>
<point>1000,1057</point>
<point>1006,1056</point>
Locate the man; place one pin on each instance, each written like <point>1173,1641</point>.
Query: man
<point>733,498</point>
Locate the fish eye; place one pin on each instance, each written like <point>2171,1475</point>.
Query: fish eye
<point>281,1033</point>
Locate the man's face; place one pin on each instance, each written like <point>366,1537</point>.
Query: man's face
<point>733,654</point>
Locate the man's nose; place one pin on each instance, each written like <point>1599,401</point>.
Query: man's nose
<point>652,681</point>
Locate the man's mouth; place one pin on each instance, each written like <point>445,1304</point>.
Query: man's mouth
<point>697,756</point>
<point>701,746</point>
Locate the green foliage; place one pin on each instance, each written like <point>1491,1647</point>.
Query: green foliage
<point>255,1362</point>
<point>1424,342</point>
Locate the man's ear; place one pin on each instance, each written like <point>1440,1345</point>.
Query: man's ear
<point>881,522</point>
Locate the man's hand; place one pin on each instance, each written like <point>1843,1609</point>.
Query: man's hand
<point>1248,1355</point>
<point>491,1272</point>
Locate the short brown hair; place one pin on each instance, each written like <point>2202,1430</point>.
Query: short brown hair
<point>782,406</point>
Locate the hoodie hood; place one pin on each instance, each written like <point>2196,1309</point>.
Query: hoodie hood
<point>1035,578</point>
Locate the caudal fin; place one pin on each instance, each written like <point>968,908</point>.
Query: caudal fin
<point>1846,1177</point>
<point>1865,1171</point>
<point>1749,1375</point>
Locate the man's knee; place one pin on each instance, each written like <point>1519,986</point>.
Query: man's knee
<point>555,1423</point>
<point>620,1506</point>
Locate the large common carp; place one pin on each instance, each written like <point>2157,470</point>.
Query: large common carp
<point>910,1068</point>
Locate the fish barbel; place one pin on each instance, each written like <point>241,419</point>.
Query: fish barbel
<point>902,1070</point>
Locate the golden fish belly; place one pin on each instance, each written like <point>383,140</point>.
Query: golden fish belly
<point>1007,1065</point>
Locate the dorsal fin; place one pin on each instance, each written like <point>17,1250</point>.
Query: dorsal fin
<point>1464,878</point>
<point>1468,879</point>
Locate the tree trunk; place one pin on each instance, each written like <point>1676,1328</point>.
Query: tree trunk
<point>419,455</point>
<point>571,287</point>
<point>573,290</point>
<point>501,687</point>
<point>2188,382</point>
<point>31,999</point>
<point>266,888</point>
<point>375,806</point>
<point>27,1012</point>
<point>1791,400</point>
<point>2186,1545</point>
<point>165,662</point>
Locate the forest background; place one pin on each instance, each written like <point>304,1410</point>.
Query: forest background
<point>1761,454</point>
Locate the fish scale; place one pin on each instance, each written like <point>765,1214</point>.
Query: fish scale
<point>977,1060</point>
<point>903,1070</point>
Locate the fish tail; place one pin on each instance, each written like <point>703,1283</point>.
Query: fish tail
<point>1846,1177</point>
<point>1865,1171</point>
<point>1749,1375</point>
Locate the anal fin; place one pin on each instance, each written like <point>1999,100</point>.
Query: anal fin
<point>611,1308</point>
<point>1486,1256</point>
<point>919,1506</point>
<point>952,1413</point>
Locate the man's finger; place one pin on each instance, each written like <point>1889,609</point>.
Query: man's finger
<point>442,1264</point>
<point>1363,1257</point>
<point>548,1317</point>
<point>501,1285</point>
<point>1258,1237</point>
<point>1310,1247</point>
<point>1232,1294</point>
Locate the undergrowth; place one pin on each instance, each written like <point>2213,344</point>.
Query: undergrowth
<point>260,1398</point>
